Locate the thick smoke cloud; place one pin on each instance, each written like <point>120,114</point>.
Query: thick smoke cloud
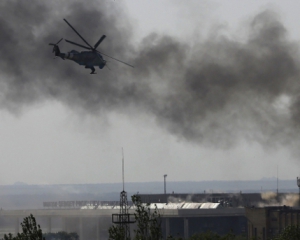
<point>216,91</point>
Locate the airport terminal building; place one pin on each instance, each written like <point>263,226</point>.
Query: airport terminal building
<point>188,214</point>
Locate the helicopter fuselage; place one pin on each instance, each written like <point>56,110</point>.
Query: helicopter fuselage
<point>86,58</point>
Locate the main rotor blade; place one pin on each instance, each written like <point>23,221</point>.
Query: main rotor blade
<point>115,59</point>
<point>59,41</point>
<point>77,44</point>
<point>77,33</point>
<point>99,41</point>
<point>53,44</point>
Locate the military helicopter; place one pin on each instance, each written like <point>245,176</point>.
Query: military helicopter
<point>90,59</point>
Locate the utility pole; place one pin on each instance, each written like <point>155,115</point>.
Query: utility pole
<point>165,183</point>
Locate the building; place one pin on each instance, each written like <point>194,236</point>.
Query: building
<point>267,222</point>
<point>179,220</point>
<point>226,199</point>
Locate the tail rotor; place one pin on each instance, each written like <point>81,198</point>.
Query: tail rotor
<point>56,50</point>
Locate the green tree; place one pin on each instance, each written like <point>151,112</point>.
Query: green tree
<point>289,233</point>
<point>211,236</point>
<point>30,230</point>
<point>61,236</point>
<point>116,232</point>
<point>148,223</point>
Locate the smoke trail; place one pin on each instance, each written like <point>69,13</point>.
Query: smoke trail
<point>214,92</point>
<point>230,88</point>
<point>287,199</point>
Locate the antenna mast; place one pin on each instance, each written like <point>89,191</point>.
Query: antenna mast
<point>123,218</point>
<point>277,180</point>
<point>123,168</point>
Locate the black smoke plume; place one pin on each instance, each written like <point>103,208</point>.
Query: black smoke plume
<point>216,91</point>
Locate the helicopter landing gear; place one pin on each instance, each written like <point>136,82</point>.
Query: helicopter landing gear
<point>92,68</point>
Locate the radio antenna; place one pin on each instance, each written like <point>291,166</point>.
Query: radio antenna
<point>277,180</point>
<point>123,168</point>
<point>123,218</point>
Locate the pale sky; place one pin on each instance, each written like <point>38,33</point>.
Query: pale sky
<point>52,142</point>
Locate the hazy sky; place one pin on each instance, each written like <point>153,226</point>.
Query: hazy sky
<point>214,94</point>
